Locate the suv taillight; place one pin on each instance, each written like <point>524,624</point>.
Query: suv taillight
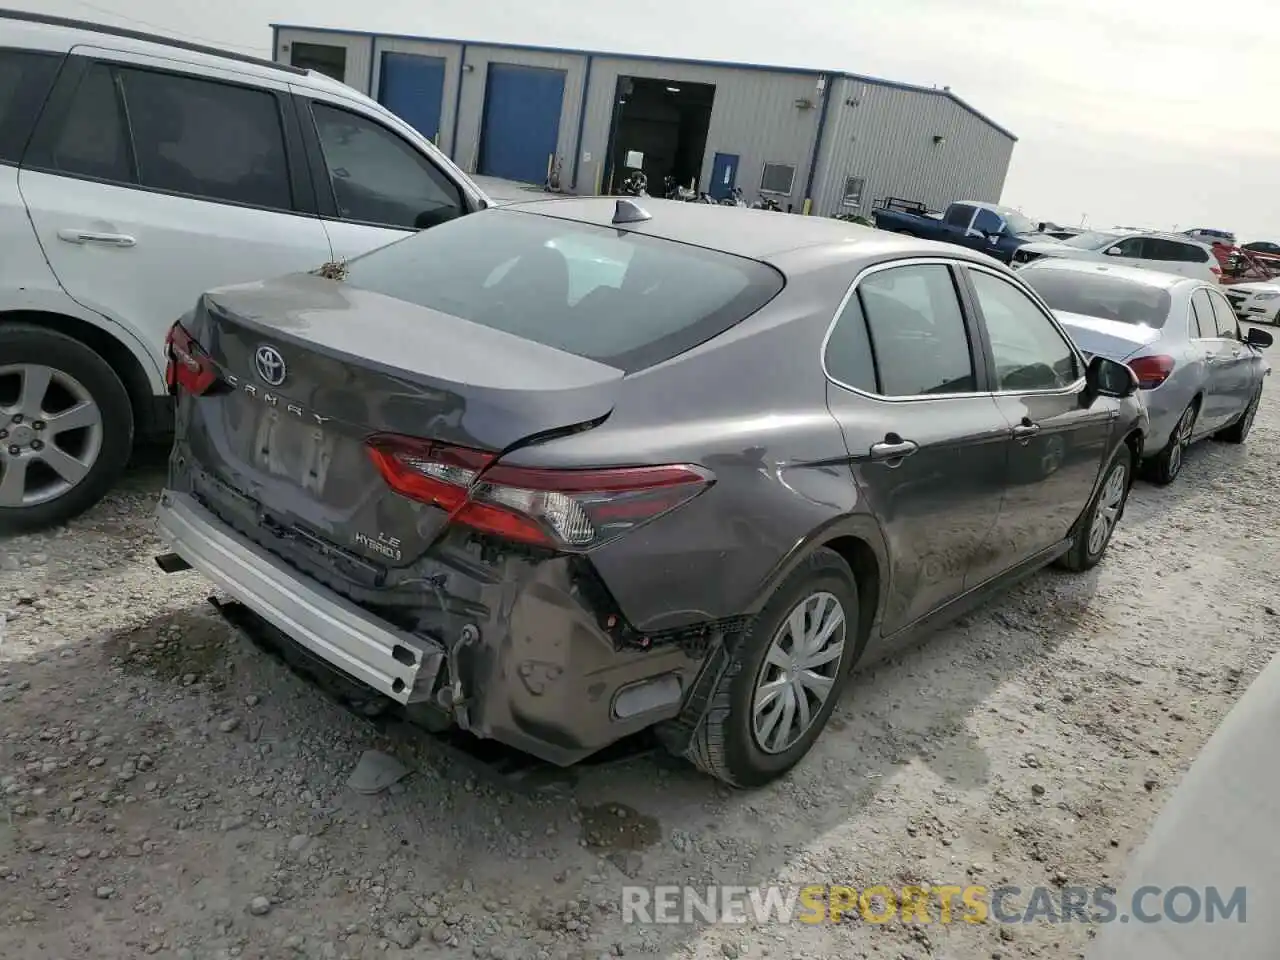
<point>188,366</point>
<point>1152,371</point>
<point>570,510</point>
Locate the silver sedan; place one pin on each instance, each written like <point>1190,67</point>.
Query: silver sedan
<point>1199,375</point>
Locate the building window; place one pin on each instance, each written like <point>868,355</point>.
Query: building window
<point>778,178</point>
<point>322,58</point>
<point>853,187</point>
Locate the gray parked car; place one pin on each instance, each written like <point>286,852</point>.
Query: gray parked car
<point>564,470</point>
<point>1200,376</point>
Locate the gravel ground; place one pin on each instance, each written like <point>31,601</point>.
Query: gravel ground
<point>172,790</point>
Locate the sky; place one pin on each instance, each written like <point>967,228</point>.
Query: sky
<point>1158,113</point>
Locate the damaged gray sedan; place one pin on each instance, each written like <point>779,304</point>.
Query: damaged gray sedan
<point>566,470</point>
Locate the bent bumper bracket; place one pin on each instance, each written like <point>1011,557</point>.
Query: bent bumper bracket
<point>400,665</point>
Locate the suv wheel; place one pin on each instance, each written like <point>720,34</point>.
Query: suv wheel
<point>66,427</point>
<point>1093,530</point>
<point>783,678</point>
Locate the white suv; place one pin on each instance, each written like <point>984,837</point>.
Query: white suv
<point>1165,252</point>
<point>136,173</point>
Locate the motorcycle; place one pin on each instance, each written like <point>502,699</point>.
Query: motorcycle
<point>734,199</point>
<point>634,184</point>
<point>767,203</point>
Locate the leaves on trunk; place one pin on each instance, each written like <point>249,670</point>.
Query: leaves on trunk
<point>333,270</point>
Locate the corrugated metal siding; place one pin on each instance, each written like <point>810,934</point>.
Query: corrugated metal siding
<point>754,116</point>
<point>359,51</point>
<point>885,136</point>
<point>471,114</point>
<point>450,53</point>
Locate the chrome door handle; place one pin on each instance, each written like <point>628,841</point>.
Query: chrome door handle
<point>1025,431</point>
<point>87,236</point>
<point>893,450</point>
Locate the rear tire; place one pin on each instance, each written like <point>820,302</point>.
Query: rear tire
<point>1238,432</point>
<point>1092,533</point>
<point>1165,466</point>
<point>59,471</point>
<point>764,680</point>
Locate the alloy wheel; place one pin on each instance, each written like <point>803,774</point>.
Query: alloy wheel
<point>1107,512</point>
<point>1181,440</point>
<point>50,434</point>
<point>799,672</point>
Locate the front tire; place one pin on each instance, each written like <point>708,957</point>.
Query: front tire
<point>1093,530</point>
<point>66,427</point>
<point>783,677</point>
<point>1167,464</point>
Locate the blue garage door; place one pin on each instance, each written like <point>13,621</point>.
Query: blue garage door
<point>412,87</point>
<point>521,121</point>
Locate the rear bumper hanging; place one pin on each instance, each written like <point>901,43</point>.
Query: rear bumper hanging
<point>397,664</point>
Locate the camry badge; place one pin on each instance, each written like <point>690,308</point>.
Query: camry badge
<point>270,365</point>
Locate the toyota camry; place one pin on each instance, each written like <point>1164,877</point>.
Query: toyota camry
<point>564,470</point>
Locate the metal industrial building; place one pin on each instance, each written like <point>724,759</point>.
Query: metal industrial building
<point>825,142</point>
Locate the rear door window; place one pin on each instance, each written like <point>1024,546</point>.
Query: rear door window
<point>377,177</point>
<point>1228,328</point>
<point>1203,323</point>
<point>201,138</point>
<point>25,80</point>
<point>1154,248</point>
<point>959,215</point>
<point>623,299</point>
<point>917,331</point>
<point>1190,253</point>
<point>92,141</point>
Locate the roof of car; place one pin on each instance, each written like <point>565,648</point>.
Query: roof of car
<point>141,37</point>
<point>1157,234</point>
<point>757,234</point>
<point>1138,275</point>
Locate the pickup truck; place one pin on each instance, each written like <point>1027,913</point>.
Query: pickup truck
<point>995,230</point>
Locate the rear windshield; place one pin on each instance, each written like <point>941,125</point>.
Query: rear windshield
<point>615,297</point>
<point>1098,295</point>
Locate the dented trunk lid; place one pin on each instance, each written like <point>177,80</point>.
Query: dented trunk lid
<point>312,368</point>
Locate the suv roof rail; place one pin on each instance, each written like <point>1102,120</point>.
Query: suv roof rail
<point>29,17</point>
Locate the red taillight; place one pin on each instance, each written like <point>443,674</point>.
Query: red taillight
<point>1151,371</point>
<point>573,510</point>
<point>188,367</point>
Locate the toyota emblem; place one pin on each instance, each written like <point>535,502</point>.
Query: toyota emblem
<point>270,365</point>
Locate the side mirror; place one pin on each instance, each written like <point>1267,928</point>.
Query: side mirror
<point>1109,378</point>
<point>1259,338</point>
<point>1113,251</point>
<point>431,218</point>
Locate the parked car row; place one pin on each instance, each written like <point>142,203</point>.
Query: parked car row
<point>998,231</point>
<point>553,472</point>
